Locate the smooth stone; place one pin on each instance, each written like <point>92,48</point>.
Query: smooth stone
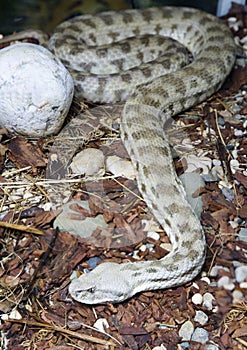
<point>208,301</point>
<point>120,167</point>
<point>201,317</point>
<point>90,161</point>
<point>212,347</point>
<point>241,273</point>
<point>226,283</point>
<point>197,299</point>
<point>242,235</point>
<point>154,235</point>
<point>83,228</point>
<point>36,90</point>
<point>200,335</point>
<point>186,330</point>
<point>192,182</point>
<point>185,345</point>
<point>92,262</point>
<point>237,296</point>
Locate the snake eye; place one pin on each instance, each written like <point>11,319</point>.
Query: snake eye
<point>91,290</point>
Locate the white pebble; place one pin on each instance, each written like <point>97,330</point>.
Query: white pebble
<point>201,317</point>
<point>36,90</point>
<point>14,314</point>
<point>120,167</point>
<point>195,285</point>
<point>200,335</point>
<point>234,163</point>
<point>101,324</point>
<point>241,273</point>
<point>226,283</point>
<point>186,330</point>
<point>160,347</point>
<point>243,285</point>
<point>212,347</point>
<point>143,248</point>
<point>90,161</point>
<point>237,296</point>
<point>206,279</point>
<point>153,235</point>
<point>197,299</point>
<point>208,301</point>
<point>238,132</point>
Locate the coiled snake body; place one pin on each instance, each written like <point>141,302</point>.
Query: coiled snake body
<point>148,107</point>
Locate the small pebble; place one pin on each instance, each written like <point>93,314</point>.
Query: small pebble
<point>90,161</point>
<point>208,301</point>
<point>14,314</point>
<point>197,299</point>
<point>160,347</point>
<point>238,132</point>
<point>226,283</point>
<point>243,285</point>
<point>153,235</point>
<point>212,347</point>
<point>200,335</point>
<point>234,163</point>
<point>185,345</point>
<point>234,223</point>
<point>241,273</point>
<point>101,324</point>
<point>237,296</point>
<point>143,248</point>
<point>186,330</point>
<point>206,279</point>
<point>120,167</point>
<point>242,235</point>
<point>92,262</point>
<point>201,317</point>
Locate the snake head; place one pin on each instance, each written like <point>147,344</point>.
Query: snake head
<point>104,284</point>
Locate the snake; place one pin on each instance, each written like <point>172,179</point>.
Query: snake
<point>86,45</point>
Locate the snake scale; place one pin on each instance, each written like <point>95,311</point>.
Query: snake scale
<point>148,107</point>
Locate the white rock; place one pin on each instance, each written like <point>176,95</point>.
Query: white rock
<point>90,161</point>
<point>241,273</point>
<point>186,330</point>
<point>120,167</point>
<point>243,285</point>
<point>201,317</point>
<point>36,90</point>
<point>197,299</point>
<point>192,182</point>
<point>208,300</point>
<point>14,314</point>
<point>212,347</point>
<point>226,283</point>
<point>206,279</point>
<point>237,296</point>
<point>200,335</point>
<point>160,347</point>
<point>101,324</point>
<point>153,235</point>
<point>242,236</point>
<point>83,227</point>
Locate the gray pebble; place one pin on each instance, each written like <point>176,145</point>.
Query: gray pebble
<point>186,330</point>
<point>201,317</point>
<point>212,347</point>
<point>241,273</point>
<point>200,335</point>
<point>242,235</point>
